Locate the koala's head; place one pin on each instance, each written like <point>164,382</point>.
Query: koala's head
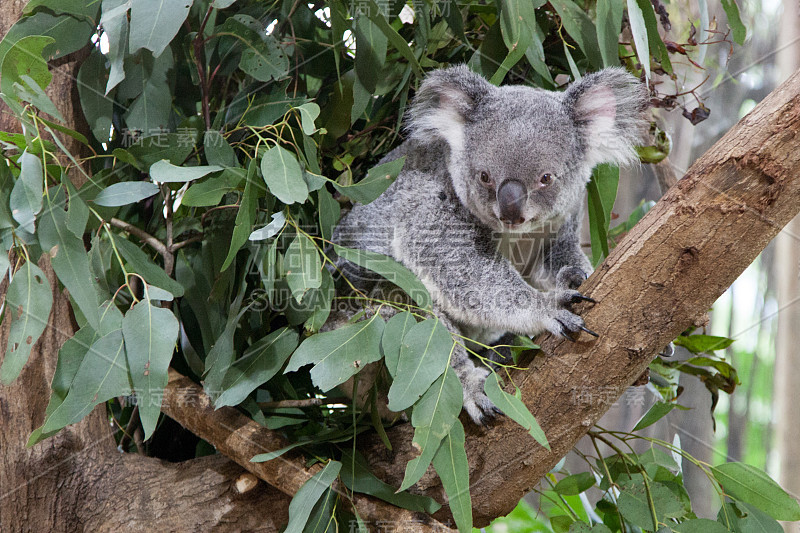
<point>519,156</point>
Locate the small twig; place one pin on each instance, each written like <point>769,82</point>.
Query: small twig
<point>178,245</point>
<point>308,402</point>
<point>199,59</point>
<point>142,235</point>
<point>169,259</point>
<point>130,433</point>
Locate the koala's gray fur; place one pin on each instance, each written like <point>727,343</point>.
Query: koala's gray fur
<point>442,221</point>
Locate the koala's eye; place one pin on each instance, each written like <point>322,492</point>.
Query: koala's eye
<point>546,180</point>
<point>486,179</point>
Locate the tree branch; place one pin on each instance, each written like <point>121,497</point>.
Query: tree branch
<point>240,438</point>
<point>142,235</point>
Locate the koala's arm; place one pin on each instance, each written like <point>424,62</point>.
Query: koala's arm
<point>478,287</point>
<point>564,264</point>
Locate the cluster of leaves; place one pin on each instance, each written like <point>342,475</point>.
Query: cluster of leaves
<point>224,140</point>
<point>645,492</point>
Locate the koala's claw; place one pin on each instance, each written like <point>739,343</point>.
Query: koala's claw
<point>477,405</point>
<point>590,332</point>
<point>581,297</point>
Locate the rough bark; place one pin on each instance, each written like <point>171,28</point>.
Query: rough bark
<point>667,272</point>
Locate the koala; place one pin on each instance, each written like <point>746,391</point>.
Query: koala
<point>487,209</point>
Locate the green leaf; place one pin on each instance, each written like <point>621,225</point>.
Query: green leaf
<point>397,40</point>
<point>138,262</point>
<point>26,195</point>
<point>656,45</point>
<point>154,23</point>
<point>115,25</point>
<point>634,506</point>
<point>76,8</point>
<point>302,266</point>
<point>283,176</point>
<point>609,23</point>
<point>308,114</point>
<point>70,262</point>
<point>30,91</point>
<point>389,269</point>
<point>378,179</point>
<point>703,343</point>
<point>424,356</point>
<point>150,333</point>
<point>221,356</point>
<point>165,172</point>
<point>575,484</point>
<point>319,300</point>
<point>452,467</point>
<point>209,192</point>
<point>748,520</point>
<point>271,229</point>
<point>735,21</point>
<point>27,307</point>
<point>308,495</point>
<point>337,355</point>
<point>257,366</point>
<point>602,194</point>
<point>699,525</point>
<point>150,111</point>
<point>639,31</point>
<point>329,213</point>
<point>371,43</point>
<point>264,60</point>
<point>25,58</point>
<point>432,417</point>
<point>69,34</point>
<point>103,375</point>
<point>580,27</point>
<point>175,147</point>
<point>269,456</point>
<point>96,106</point>
<point>218,151</point>
<point>127,192</point>
<point>245,218</point>
<point>658,411</point>
<point>393,334</point>
<point>513,407</point>
<point>751,485</point>
<point>357,477</point>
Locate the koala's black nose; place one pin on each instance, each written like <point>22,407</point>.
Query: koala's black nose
<point>511,198</point>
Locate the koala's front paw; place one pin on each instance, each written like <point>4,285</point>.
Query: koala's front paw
<point>478,406</point>
<point>570,277</point>
<point>564,322</point>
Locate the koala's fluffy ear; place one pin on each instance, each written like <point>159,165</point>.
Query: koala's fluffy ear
<point>444,103</point>
<point>608,108</point>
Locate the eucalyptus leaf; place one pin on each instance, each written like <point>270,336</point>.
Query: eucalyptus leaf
<point>302,266</point>
<point>753,486</point>
<point>514,408</point>
<point>102,375</point>
<point>26,195</point>
<point>165,172</point>
<point>452,467</point>
<point>308,495</point>
<point>389,269</point>
<point>154,23</point>
<point>424,356</point>
<point>378,179</point>
<point>126,192</point>
<point>283,176</point>
<point>150,333</point>
<point>270,230</point>
<point>27,307</point>
<point>257,366</point>
<point>337,355</point>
